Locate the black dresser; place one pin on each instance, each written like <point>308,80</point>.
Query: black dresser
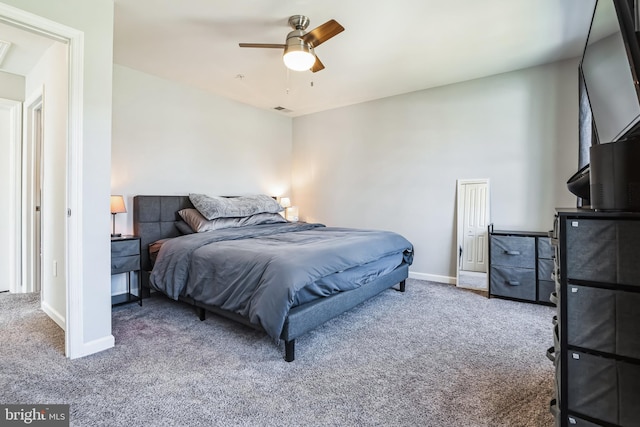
<point>520,265</point>
<point>596,348</point>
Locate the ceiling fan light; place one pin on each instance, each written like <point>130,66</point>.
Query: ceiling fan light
<point>299,61</point>
<point>298,56</point>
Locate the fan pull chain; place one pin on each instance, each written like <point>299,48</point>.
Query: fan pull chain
<point>288,81</point>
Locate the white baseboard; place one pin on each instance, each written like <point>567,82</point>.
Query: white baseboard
<point>95,346</point>
<point>54,315</point>
<point>432,278</point>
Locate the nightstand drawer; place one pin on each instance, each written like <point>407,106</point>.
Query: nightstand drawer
<point>125,247</point>
<point>125,263</point>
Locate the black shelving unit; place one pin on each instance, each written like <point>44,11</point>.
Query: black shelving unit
<point>597,337</point>
<point>520,265</point>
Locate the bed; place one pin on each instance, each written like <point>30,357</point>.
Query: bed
<point>279,277</point>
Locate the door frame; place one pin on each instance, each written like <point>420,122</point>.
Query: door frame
<point>74,330</point>
<point>459,222</point>
<point>32,160</point>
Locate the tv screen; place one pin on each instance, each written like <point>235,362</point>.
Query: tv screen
<point>609,65</point>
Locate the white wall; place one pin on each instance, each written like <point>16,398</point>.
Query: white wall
<point>50,77</point>
<point>95,20</point>
<point>11,86</point>
<point>172,139</point>
<point>393,163</point>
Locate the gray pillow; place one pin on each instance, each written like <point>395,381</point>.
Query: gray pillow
<point>183,227</point>
<point>212,207</point>
<point>200,224</point>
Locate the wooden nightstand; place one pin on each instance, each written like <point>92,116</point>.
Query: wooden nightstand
<point>125,258</point>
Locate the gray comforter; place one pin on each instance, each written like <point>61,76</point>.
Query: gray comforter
<point>260,272</point>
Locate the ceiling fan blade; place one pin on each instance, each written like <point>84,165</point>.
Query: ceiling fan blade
<point>323,33</point>
<point>317,66</point>
<point>267,45</point>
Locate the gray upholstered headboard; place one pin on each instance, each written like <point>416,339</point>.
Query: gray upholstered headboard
<point>154,218</point>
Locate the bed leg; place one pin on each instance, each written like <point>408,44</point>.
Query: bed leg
<point>402,286</point>
<point>201,312</point>
<point>289,350</point>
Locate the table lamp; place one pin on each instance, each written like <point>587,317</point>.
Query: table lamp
<point>117,206</point>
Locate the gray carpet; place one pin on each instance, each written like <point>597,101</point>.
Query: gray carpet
<point>433,356</point>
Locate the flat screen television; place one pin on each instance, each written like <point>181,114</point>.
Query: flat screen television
<point>610,66</point>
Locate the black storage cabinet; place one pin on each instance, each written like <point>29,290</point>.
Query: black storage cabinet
<point>597,333</point>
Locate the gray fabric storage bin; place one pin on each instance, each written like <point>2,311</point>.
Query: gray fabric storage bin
<point>545,269</point>
<point>513,282</point>
<point>629,252</point>
<point>125,247</point>
<point>592,386</point>
<point>629,380</point>
<point>591,318</point>
<point>125,264</point>
<point>588,240</point>
<point>628,324</point>
<point>545,250</point>
<point>513,251</point>
<point>604,320</point>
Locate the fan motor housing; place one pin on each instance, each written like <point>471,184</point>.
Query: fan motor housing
<point>294,38</point>
<point>299,22</point>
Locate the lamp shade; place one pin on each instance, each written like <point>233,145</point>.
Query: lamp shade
<point>292,214</point>
<point>117,205</point>
<point>285,202</point>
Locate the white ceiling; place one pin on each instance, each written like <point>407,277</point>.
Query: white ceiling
<point>387,48</point>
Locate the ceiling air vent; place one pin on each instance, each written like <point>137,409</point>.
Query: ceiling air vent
<point>282,109</point>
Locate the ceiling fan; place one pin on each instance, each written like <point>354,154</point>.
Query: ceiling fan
<point>299,46</point>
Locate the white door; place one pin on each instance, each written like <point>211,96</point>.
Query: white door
<point>10,135</point>
<point>474,245</point>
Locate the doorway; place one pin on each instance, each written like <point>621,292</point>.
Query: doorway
<point>472,235</point>
<point>32,185</point>
<point>65,304</point>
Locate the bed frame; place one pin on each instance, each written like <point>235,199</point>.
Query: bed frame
<point>154,218</point>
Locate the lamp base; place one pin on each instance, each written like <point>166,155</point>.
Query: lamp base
<point>116,235</point>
